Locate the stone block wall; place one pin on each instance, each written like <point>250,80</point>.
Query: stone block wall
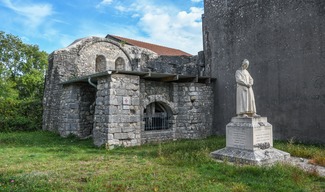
<point>59,70</point>
<point>190,106</point>
<point>162,92</point>
<point>112,112</point>
<point>117,113</point>
<point>77,110</point>
<point>195,105</point>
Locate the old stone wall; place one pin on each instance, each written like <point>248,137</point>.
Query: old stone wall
<point>117,111</point>
<point>111,107</point>
<point>79,59</point>
<point>189,105</point>
<point>60,68</point>
<point>185,65</point>
<point>195,104</point>
<point>162,92</point>
<point>77,110</point>
<point>284,42</point>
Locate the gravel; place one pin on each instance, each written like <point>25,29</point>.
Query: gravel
<point>303,164</point>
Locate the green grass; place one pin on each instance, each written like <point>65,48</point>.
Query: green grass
<point>42,161</point>
<point>315,153</point>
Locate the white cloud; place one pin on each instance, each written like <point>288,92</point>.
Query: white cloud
<point>104,3</point>
<point>33,14</point>
<point>196,1</point>
<point>169,26</point>
<point>121,8</point>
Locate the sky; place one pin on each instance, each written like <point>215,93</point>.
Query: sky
<point>54,24</point>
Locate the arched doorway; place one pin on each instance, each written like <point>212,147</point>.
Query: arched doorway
<point>156,116</point>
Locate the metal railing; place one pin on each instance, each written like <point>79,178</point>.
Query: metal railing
<point>157,121</point>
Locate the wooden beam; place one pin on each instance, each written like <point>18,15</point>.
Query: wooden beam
<point>170,78</point>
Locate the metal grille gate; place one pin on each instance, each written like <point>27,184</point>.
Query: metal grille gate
<point>157,121</point>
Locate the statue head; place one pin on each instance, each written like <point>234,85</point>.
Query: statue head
<point>245,64</point>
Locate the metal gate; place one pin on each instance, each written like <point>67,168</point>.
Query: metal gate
<point>157,121</point>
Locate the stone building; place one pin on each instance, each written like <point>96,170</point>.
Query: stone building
<point>126,92</point>
<point>285,44</point>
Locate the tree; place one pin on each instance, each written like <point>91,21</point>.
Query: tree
<point>22,68</point>
<point>22,72</point>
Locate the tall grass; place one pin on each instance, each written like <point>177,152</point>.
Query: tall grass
<point>316,153</point>
<point>43,161</point>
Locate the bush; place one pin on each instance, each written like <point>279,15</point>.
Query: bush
<point>20,115</point>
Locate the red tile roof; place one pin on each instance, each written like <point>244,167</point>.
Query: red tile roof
<point>160,50</point>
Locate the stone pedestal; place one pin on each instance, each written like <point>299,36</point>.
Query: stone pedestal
<point>250,141</point>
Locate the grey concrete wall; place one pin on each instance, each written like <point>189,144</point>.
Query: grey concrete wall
<point>284,40</point>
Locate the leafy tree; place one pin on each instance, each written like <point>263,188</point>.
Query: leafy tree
<point>22,71</point>
<point>22,68</point>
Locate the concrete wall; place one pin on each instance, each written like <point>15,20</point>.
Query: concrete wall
<point>284,40</point>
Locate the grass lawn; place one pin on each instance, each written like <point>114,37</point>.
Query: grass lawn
<point>42,161</point>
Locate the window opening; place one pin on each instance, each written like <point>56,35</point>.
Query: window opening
<point>100,63</point>
<point>119,64</point>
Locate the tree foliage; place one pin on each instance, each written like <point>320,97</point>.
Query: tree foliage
<point>22,68</point>
<point>22,74</point>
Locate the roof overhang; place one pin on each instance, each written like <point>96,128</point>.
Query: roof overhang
<point>163,77</point>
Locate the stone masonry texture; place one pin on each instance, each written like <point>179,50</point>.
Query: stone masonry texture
<point>98,88</point>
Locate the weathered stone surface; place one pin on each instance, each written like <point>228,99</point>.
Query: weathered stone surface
<point>250,141</point>
<point>110,106</point>
<point>242,156</point>
<point>249,133</point>
<point>284,42</point>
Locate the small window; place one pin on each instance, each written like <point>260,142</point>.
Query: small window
<point>119,64</point>
<point>100,63</point>
<point>156,117</point>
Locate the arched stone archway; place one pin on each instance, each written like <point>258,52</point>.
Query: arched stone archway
<point>156,116</point>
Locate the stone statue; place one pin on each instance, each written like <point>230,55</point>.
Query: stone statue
<point>245,101</point>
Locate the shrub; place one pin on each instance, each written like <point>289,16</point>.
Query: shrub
<point>20,115</point>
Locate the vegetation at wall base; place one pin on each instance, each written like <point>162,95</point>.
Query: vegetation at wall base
<point>43,161</point>
<point>310,151</point>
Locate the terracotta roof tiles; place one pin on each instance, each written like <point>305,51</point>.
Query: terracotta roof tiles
<point>160,50</point>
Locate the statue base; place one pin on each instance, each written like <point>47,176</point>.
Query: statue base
<point>249,140</point>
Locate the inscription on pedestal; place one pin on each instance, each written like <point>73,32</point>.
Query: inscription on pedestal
<point>249,134</point>
<point>239,138</point>
<point>263,137</point>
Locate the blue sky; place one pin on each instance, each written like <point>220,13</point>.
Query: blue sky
<point>55,24</point>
